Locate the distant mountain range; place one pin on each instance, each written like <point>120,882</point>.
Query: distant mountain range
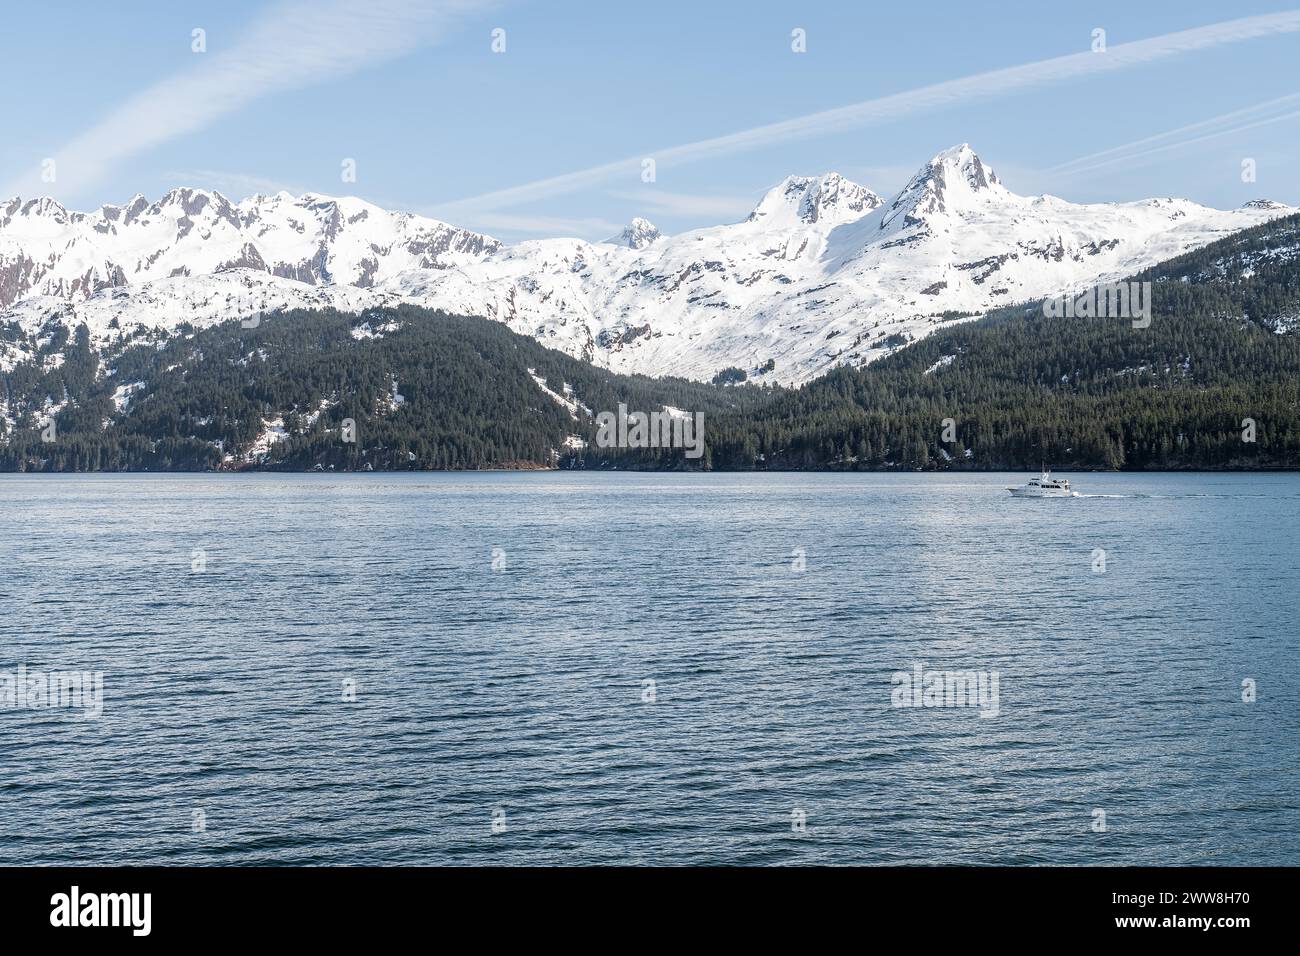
<point>823,273</point>
<point>1213,381</point>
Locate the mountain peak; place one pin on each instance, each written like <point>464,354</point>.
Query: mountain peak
<point>1263,204</point>
<point>44,206</point>
<point>833,195</point>
<point>816,198</point>
<point>955,166</point>
<point>954,180</point>
<point>191,201</point>
<point>638,234</point>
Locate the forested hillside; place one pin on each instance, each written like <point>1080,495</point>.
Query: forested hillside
<point>424,389</point>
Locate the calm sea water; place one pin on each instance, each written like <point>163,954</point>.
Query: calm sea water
<point>503,714</point>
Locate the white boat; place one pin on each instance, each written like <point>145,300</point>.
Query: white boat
<point>1044,486</point>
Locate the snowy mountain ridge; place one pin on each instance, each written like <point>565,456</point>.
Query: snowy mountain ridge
<point>823,272</point>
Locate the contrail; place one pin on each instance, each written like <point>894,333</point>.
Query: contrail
<point>295,44</point>
<point>869,112</point>
<point>1129,152</point>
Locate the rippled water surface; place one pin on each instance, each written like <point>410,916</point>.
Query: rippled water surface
<point>519,694</point>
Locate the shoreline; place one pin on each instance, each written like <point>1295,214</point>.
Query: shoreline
<point>673,471</point>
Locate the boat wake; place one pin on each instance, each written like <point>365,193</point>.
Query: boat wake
<point>1078,494</point>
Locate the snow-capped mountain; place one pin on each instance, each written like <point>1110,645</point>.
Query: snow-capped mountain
<point>823,272</point>
<point>638,234</point>
<point>315,240</point>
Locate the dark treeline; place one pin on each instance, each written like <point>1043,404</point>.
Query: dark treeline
<point>437,391</point>
<point>1220,360</point>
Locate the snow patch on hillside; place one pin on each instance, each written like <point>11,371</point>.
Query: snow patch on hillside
<point>122,394</point>
<point>562,400</point>
<point>272,433</point>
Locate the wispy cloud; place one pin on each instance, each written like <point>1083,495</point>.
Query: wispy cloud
<point>294,44</point>
<point>869,112</point>
<point>658,202</point>
<point>233,185</point>
<point>510,225</point>
<point>1149,147</point>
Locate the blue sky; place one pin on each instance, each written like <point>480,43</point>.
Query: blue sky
<point>438,123</point>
